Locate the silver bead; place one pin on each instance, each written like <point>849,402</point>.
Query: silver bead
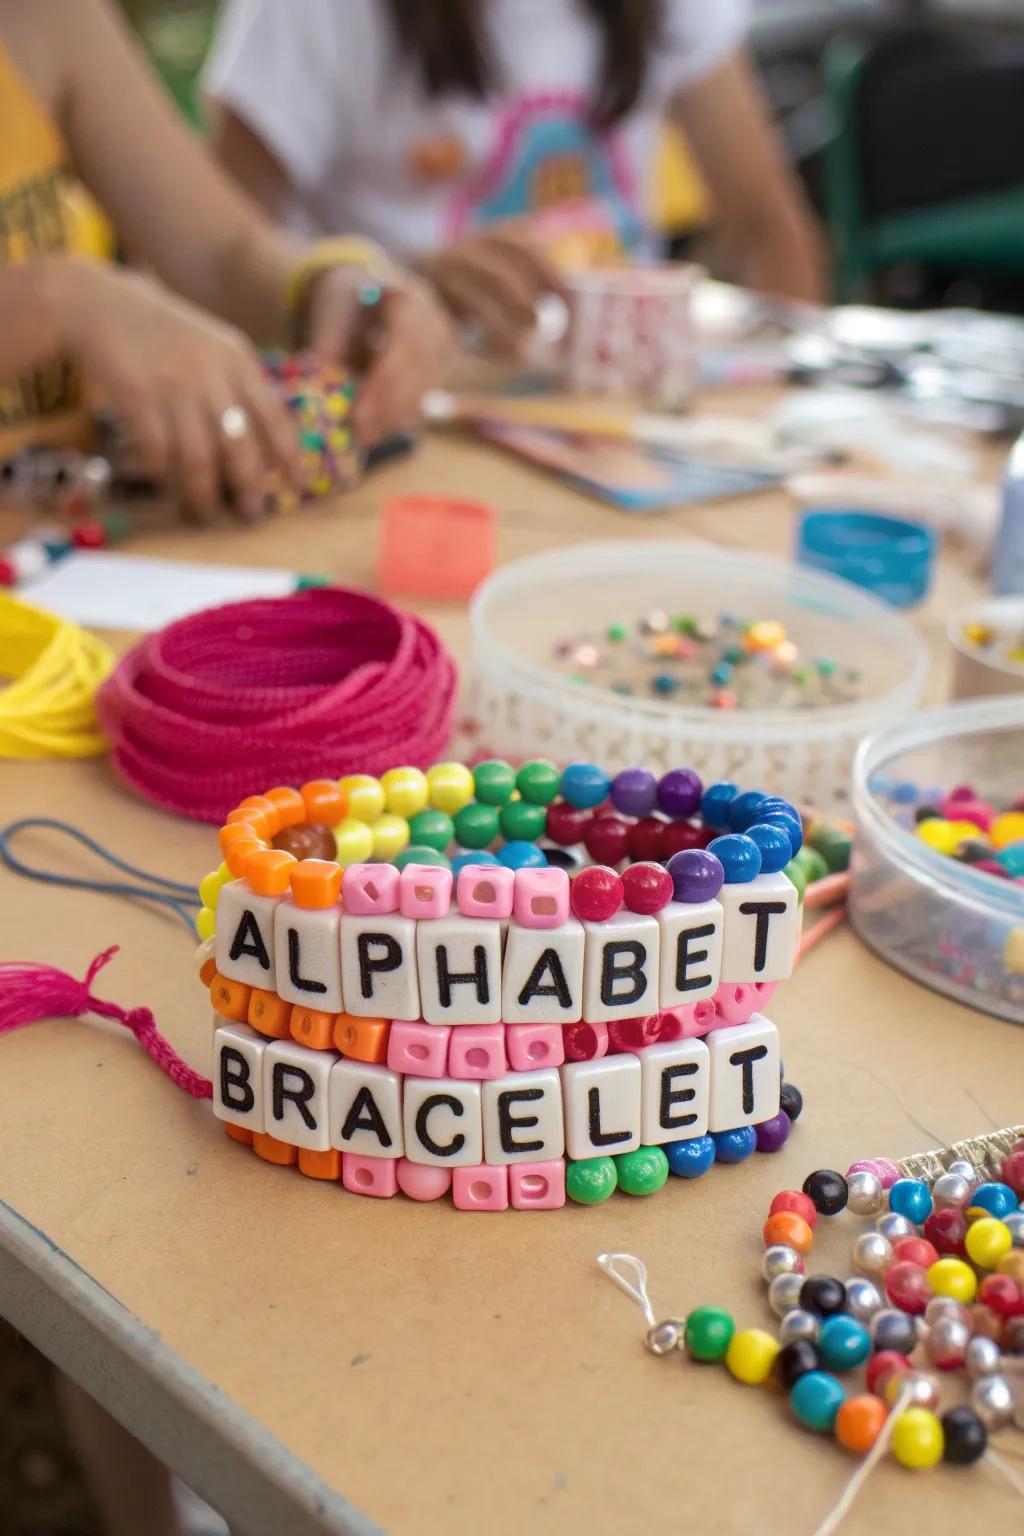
<point>664,1337</point>
<point>964,1170</point>
<point>992,1401</point>
<point>946,1342</point>
<point>893,1329</point>
<point>951,1191</point>
<point>863,1298</point>
<point>894,1226</point>
<point>947,1306</point>
<point>781,1259</point>
<point>1015,1225</point>
<point>865,1195</point>
<point>872,1254</point>
<point>799,1324</point>
<point>784,1293</point>
<point>982,1357</point>
<point>924,1389</point>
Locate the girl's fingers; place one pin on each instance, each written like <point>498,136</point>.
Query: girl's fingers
<point>275,429</point>
<point>195,456</point>
<point>242,463</point>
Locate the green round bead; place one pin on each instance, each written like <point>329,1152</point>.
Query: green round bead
<point>420,853</point>
<point>432,829</point>
<point>642,1172</point>
<point>521,820</point>
<point>494,781</point>
<point>538,781</point>
<point>834,846</point>
<point>617,632</point>
<point>797,875</point>
<point>709,1332</point>
<point>590,1181</point>
<point>812,863</point>
<point>476,826</point>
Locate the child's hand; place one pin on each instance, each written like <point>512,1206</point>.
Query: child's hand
<point>494,279</point>
<point>189,389</point>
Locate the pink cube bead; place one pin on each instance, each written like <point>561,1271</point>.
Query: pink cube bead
<point>541,898</point>
<point>418,1049</point>
<point>532,1046</point>
<point>375,1176</point>
<point>485,890</point>
<point>537,1186</point>
<point>689,1020</point>
<point>370,889</point>
<point>482,1188</point>
<point>585,1042</point>
<point>420,1182</point>
<point>425,891</point>
<point>735,1002</point>
<point>764,991</point>
<point>477,1051</point>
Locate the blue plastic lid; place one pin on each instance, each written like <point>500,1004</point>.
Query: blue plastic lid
<point>890,556</point>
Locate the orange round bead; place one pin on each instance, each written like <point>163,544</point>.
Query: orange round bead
<point>789,1228</point>
<point>859,1422</point>
<point>794,1200</point>
<point>268,871</point>
<point>289,803</point>
<point>325,802</point>
<point>238,854</point>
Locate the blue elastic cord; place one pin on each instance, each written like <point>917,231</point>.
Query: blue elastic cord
<point>180,899</point>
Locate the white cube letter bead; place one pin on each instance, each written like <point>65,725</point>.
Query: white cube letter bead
<point>601,1101</point>
<point>691,952</point>
<point>523,1117</point>
<point>460,970</point>
<point>366,1109</point>
<point>378,966</point>
<point>676,1079</point>
<point>744,1074</point>
<point>442,1122</point>
<point>245,936</point>
<point>620,968</point>
<point>295,1094</point>
<point>238,1076</point>
<point>761,920</point>
<point>542,974</point>
<point>308,956</point>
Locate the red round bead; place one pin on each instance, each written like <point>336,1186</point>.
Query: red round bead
<point>596,894</point>
<point>684,834</point>
<point>647,887</point>
<point>565,824</point>
<point>89,535</point>
<point>8,575</point>
<point>647,838</point>
<point>945,1231</point>
<point>794,1200</point>
<point>1012,1172</point>
<point>883,1365</point>
<point>584,1042</point>
<point>607,839</point>
<point>634,1034</point>
<point>1002,1294</point>
<point>906,1286</point>
<point>915,1250</point>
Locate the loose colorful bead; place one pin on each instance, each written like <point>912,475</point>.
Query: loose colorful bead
<point>1003,1294</point>
<point>773,844</point>
<point>823,1295</point>
<point>709,1333</point>
<point>494,781</point>
<point>794,1360</point>
<point>390,836</point>
<point>647,839</point>
<point>435,829</point>
<point>567,825</point>
<point>946,1230</point>
<point>364,795</point>
<point>591,1180</point>
<point>521,855</point>
<point>520,820</point>
<point>794,1200</point>
<point>789,1228</point>
<point>585,785</point>
<point>691,1158</point>
<point>827,1190</point>
<point>353,842</point>
<point>643,1171</point>
<point>997,1199</point>
<point>647,888</point>
<point>892,1329</point>
<point>907,1287</point>
<point>791,1101</point>
<point>917,1439</point>
<point>987,1241</point>
<point>843,1343</point>
<point>952,1277</point>
<point>596,894</point>
<point>739,857</point>
<point>607,839</point>
<point>911,1198</point>
<point>751,1355</point>
<point>816,1400</point>
<point>420,855</point>
<point>915,1250</point>
<point>773,1134</point>
<point>965,1438</point>
<point>859,1422</point>
<point>734,1146</point>
<point>742,810</point>
<point>883,1364</point>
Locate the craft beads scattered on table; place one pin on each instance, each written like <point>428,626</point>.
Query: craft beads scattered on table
<point>998,645</point>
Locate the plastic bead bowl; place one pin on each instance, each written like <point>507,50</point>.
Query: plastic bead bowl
<point>943,922</point>
<point>978,670</point>
<point>524,707</point>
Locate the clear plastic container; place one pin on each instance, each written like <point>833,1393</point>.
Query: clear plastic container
<point>953,927</point>
<point>522,706</point>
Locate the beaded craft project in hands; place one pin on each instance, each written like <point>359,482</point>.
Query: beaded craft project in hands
<point>396,1018</point>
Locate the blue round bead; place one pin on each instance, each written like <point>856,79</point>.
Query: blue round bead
<point>734,1146</point>
<point>843,1343</point>
<point>522,855</point>
<point>742,812</point>
<point>905,793</point>
<point>912,1199</point>
<point>689,1159</point>
<point>585,785</point>
<point>1012,859</point>
<point>721,674</point>
<point>739,855</point>
<point>790,824</point>
<point>665,682</point>
<point>816,1398</point>
<point>477,856</point>
<point>715,802</point>
<point>777,803</point>
<point>634,792</point>
<point>774,844</point>
<point>997,1199</point>
<point>679,793</point>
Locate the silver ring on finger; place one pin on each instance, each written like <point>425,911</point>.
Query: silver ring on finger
<point>234,423</point>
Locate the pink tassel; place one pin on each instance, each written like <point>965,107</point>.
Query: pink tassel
<point>29,992</point>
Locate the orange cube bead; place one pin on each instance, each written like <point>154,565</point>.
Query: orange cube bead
<point>269,1013</point>
<point>859,1422</point>
<point>207,971</point>
<point>325,802</point>
<point>237,855</point>
<point>316,882</point>
<point>320,1165</point>
<point>787,1227</point>
<point>290,806</point>
<point>252,816</point>
<point>362,1039</point>
<point>239,1133</point>
<point>269,809</point>
<point>230,998</point>
<point>273,1151</point>
<point>235,832</point>
<point>311,1027</point>
<point>269,871</point>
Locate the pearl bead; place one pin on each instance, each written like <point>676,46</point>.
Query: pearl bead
<point>894,1226</point>
<point>992,1401</point>
<point>924,1389</point>
<point>951,1191</point>
<point>892,1329</point>
<point>784,1293</point>
<point>946,1343</point>
<point>781,1259</point>
<point>863,1298</point>
<point>964,1170</point>
<point>1015,1226</point>
<point>865,1196</point>
<point>664,1337</point>
<point>872,1254</point>
<point>799,1324</point>
<point>947,1306</point>
<point>982,1356</point>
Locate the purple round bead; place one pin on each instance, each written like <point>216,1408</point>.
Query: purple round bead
<point>772,1134</point>
<point>679,792</point>
<point>696,874</point>
<point>634,792</point>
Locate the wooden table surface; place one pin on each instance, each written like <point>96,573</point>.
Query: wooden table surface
<point>313,1361</point>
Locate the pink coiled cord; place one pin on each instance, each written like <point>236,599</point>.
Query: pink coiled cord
<point>278,690</point>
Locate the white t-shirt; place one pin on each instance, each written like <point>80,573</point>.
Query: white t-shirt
<point>324,85</point>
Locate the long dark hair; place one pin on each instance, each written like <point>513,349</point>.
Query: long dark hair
<point>444,40</point>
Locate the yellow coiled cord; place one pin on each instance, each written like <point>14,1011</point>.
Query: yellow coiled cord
<point>53,669</point>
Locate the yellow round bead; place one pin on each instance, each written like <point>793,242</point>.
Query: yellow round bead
<point>765,635</point>
<point>940,835</point>
<point>365,796</point>
<point>952,1277</point>
<point>206,923</point>
<point>987,1241</point>
<point>405,791</point>
<point>354,842</point>
<point>751,1355</point>
<point>210,886</point>
<point>1006,829</point>
<point>390,836</point>
<point>917,1439</point>
<point>449,786</point>
<point>1013,952</point>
